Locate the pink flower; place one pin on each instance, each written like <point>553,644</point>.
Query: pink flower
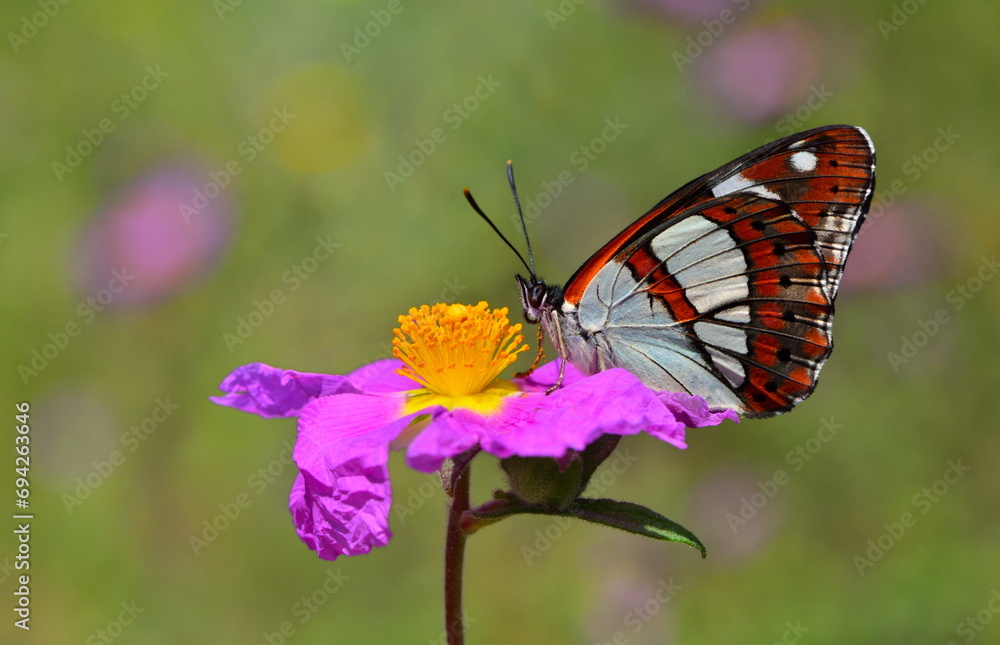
<point>144,241</point>
<point>757,73</point>
<point>442,399</point>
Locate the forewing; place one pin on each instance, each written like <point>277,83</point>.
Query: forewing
<point>825,176</point>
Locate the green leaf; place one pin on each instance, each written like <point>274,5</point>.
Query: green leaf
<point>625,516</point>
<point>633,518</point>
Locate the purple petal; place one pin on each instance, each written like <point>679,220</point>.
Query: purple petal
<point>693,411</point>
<point>535,425</point>
<point>610,402</point>
<point>546,376</point>
<point>272,392</point>
<point>445,437</point>
<point>381,376</point>
<point>342,450</point>
<point>301,514</point>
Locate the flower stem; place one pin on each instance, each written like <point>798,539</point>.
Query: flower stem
<point>454,556</point>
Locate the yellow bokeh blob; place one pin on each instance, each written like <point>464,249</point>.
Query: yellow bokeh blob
<point>328,131</point>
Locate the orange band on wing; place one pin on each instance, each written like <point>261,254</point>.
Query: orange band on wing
<point>659,282</point>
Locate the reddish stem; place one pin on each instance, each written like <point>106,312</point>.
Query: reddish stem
<point>454,556</point>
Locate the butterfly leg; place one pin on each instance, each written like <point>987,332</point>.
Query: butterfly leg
<point>538,358</point>
<point>560,343</point>
<point>562,375</point>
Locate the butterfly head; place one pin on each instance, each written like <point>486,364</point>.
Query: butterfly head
<point>536,297</point>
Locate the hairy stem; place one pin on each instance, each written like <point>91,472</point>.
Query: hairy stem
<point>454,556</point>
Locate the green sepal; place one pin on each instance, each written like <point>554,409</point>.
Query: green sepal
<point>540,481</point>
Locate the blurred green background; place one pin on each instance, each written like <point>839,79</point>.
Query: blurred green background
<point>243,167</point>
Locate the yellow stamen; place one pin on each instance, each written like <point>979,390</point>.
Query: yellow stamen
<point>456,350</point>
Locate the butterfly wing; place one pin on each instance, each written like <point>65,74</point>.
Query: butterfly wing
<point>826,175</point>
<point>725,289</point>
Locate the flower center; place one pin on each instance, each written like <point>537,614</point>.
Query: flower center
<point>456,350</point>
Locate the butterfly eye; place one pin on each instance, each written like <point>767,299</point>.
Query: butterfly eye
<point>534,298</point>
<point>539,294</point>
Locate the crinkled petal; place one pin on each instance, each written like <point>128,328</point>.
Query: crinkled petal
<point>546,376</point>
<point>611,402</point>
<point>535,425</point>
<point>693,411</point>
<point>301,512</point>
<point>343,451</point>
<point>272,392</point>
<point>382,376</point>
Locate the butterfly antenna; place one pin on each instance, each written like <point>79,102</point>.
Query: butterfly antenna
<point>475,207</point>
<point>524,227</point>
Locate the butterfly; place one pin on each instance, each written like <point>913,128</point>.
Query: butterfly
<point>725,289</point>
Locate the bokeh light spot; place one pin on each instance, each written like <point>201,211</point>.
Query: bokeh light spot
<point>329,131</point>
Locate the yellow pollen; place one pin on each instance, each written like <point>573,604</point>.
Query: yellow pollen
<point>456,350</point>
